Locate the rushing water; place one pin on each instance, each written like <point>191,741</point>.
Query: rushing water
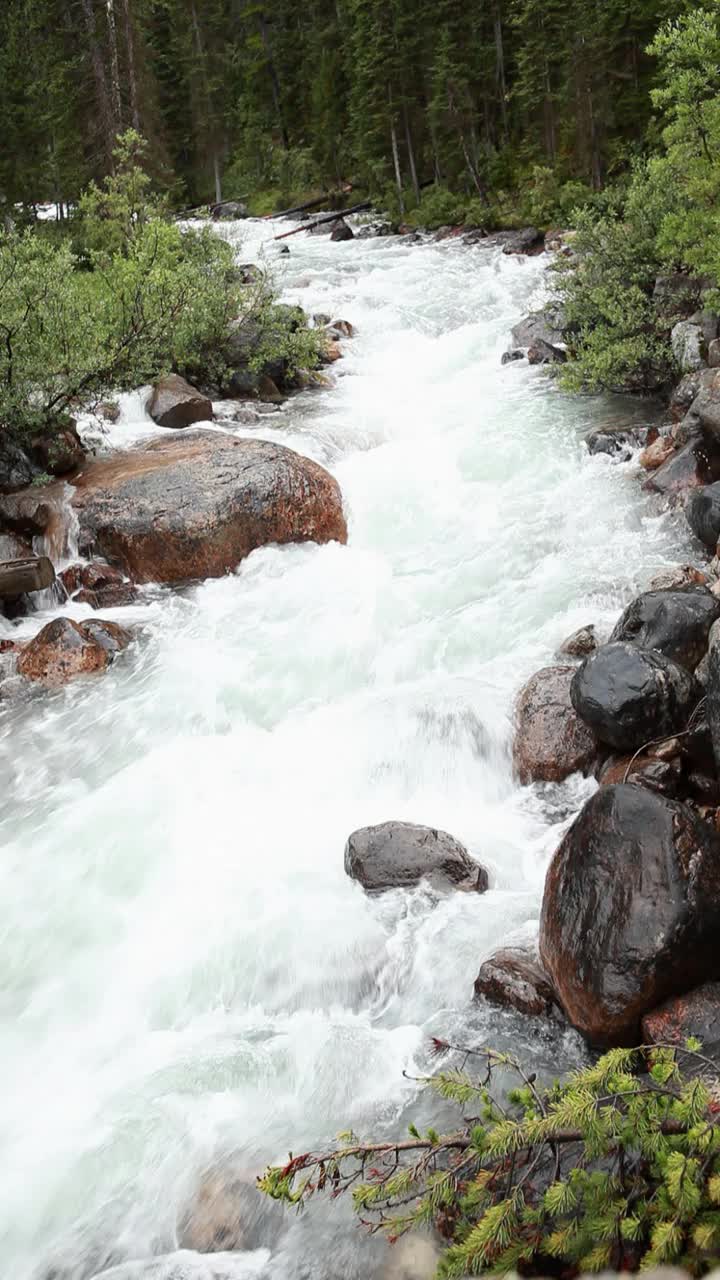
<point>188,974</point>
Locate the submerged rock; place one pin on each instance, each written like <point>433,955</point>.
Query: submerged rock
<point>66,649</point>
<point>676,622</point>
<point>400,854</point>
<point>527,241</point>
<point>550,740</point>
<point>631,910</point>
<point>514,978</point>
<point>581,643</point>
<point>193,506</point>
<point>629,695</point>
<point>175,403</point>
<point>227,1212</point>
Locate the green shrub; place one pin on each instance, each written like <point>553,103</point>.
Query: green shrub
<point>619,1166</point>
<point>437,208</point>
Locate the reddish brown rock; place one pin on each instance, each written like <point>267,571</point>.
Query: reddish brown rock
<point>580,644</point>
<point>631,910</point>
<point>681,575</point>
<point>695,1014</point>
<point>688,468</point>
<point>643,771</point>
<point>193,506</point>
<point>551,741</point>
<point>58,451</point>
<point>100,585</point>
<point>66,649</point>
<point>657,453</point>
<point>514,978</point>
<point>174,403</point>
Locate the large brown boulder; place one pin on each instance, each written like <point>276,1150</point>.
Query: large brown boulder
<point>629,696</point>
<point>396,855</point>
<point>631,910</point>
<point>551,741</point>
<point>514,978</point>
<point>65,649</point>
<point>174,403</point>
<point>193,506</point>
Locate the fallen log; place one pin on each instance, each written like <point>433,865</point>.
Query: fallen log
<point>327,217</point>
<point>34,573</point>
<point>311,204</point>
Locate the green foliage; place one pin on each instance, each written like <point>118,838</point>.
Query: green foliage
<point>618,1166</point>
<point>113,216</point>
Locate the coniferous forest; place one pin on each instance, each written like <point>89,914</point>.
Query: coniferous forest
<point>249,100</point>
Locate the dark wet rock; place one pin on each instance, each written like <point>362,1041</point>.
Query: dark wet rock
<point>621,442</point>
<point>663,776</point>
<point>194,505</point>
<point>175,403</point>
<point>528,241</point>
<point>544,353</point>
<point>515,979</point>
<point>684,393</point>
<point>328,229</point>
<point>58,451</point>
<point>250,273</point>
<point>704,412</point>
<point>510,357</point>
<point>100,585</point>
<point>695,1014</point>
<point>550,740</point>
<point>64,650</point>
<point>16,469</point>
<point>702,510</point>
<point>629,695</point>
<point>675,622</point>
<point>687,469</point>
<point>712,701</point>
<point>29,513</point>
<point>581,643</point>
<point>401,854</point>
<point>341,231</point>
<point>631,910</point>
<point>229,211</point>
<point>545,325</point>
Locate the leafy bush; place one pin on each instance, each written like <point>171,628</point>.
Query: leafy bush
<point>438,208</point>
<point>619,1166</point>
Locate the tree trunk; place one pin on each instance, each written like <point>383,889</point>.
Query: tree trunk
<point>500,72</point>
<point>218,180</point>
<point>98,71</point>
<point>411,153</point>
<point>396,155</point>
<point>131,70</point>
<point>274,81</point>
<point>114,65</point>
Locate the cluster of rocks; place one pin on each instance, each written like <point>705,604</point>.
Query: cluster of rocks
<point>631,905</point>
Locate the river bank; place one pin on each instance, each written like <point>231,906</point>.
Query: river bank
<point>194,977</point>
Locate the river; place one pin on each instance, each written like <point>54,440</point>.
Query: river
<point>188,974</point>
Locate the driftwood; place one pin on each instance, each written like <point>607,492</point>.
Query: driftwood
<point>32,574</point>
<point>327,217</point>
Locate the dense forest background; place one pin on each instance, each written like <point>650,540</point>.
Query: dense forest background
<point>262,101</point>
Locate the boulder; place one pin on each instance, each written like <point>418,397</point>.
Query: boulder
<point>66,649</point>
<point>631,910</point>
<point>227,1213</point>
<point>30,513</point>
<point>676,622</point>
<point>327,228</point>
<point>542,352</point>
<point>684,393</point>
<point>704,412</point>
<point>712,703</point>
<point>695,1014</point>
<point>341,231</point>
<point>550,741</point>
<point>514,978</point>
<point>193,506</point>
<point>629,695</point>
<point>678,295</point>
<point>657,453</point>
<point>621,442</point>
<point>229,211</point>
<point>663,776</point>
<point>16,469</point>
<point>528,241</point>
<point>59,450</point>
<point>688,346</point>
<point>714,353</point>
<point>100,585</point>
<point>687,469</point>
<point>546,325</point>
<point>174,403</point>
<point>400,854</point>
<point>580,643</point>
<point>680,575</point>
<point>702,510</point>
<point>510,357</point>
<point>246,348</point>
